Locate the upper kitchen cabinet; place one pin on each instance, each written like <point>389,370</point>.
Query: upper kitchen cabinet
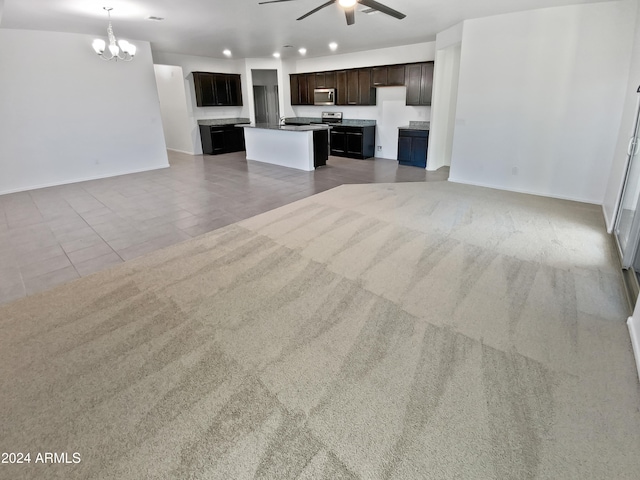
<point>325,80</point>
<point>341,87</point>
<point>419,82</point>
<point>354,87</point>
<point>302,86</point>
<point>388,76</point>
<point>217,89</point>
<point>357,86</point>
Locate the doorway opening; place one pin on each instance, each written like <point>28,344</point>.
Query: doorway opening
<point>443,110</point>
<point>265,96</point>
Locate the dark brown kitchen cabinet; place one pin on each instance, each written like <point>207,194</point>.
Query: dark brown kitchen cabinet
<point>358,86</point>
<point>341,87</point>
<point>302,86</point>
<point>303,89</point>
<point>419,81</point>
<point>311,85</point>
<point>352,87</point>
<point>366,92</point>
<point>395,76</point>
<point>353,142</point>
<point>325,80</point>
<point>217,139</point>
<point>388,76</point>
<point>295,89</point>
<point>217,89</point>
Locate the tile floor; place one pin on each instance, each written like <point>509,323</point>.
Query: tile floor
<point>53,235</point>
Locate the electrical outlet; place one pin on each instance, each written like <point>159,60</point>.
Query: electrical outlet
<point>379,148</point>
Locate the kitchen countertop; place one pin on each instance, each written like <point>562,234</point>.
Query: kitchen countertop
<point>345,122</point>
<point>291,128</point>
<point>223,121</point>
<point>416,126</point>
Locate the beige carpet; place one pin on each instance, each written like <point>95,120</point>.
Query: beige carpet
<point>394,331</point>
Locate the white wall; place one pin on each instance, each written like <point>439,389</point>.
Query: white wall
<point>173,106</point>
<point>191,63</point>
<point>619,164</point>
<point>450,36</point>
<point>390,111</point>
<point>419,52</point>
<point>66,115</point>
<point>540,99</point>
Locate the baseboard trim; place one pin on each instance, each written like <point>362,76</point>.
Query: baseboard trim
<point>81,179</point>
<point>520,190</point>
<point>607,221</point>
<point>180,151</point>
<point>634,331</point>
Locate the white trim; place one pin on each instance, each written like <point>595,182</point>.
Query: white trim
<point>518,190</point>
<point>634,331</point>
<point>77,180</point>
<point>180,151</point>
<point>607,221</point>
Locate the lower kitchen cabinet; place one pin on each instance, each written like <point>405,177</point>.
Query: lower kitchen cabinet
<point>217,139</point>
<point>353,142</point>
<point>320,147</point>
<point>412,147</point>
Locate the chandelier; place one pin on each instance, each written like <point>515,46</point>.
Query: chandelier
<point>119,49</point>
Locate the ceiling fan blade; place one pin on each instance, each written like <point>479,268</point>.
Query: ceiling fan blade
<point>382,8</point>
<point>275,1</point>
<point>330,2</point>
<point>350,13</point>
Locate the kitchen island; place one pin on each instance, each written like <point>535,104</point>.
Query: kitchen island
<point>304,147</point>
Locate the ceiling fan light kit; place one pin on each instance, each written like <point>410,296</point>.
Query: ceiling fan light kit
<point>119,49</point>
<point>349,7</point>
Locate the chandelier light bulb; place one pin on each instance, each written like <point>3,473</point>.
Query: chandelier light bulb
<point>99,46</point>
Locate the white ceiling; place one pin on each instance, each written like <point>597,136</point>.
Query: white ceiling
<point>249,30</point>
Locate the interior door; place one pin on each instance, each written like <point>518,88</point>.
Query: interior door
<point>260,103</point>
<point>627,225</point>
<point>273,104</point>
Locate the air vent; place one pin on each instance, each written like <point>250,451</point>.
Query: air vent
<point>157,19</point>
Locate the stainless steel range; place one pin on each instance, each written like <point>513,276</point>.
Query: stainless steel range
<point>331,117</point>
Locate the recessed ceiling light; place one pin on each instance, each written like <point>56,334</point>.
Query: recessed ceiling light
<point>227,52</point>
<point>277,55</point>
<point>157,19</point>
<point>333,46</point>
<point>303,51</point>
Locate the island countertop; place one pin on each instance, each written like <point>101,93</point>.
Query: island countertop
<point>219,122</point>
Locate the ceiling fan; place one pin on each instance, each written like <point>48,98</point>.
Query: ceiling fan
<point>349,7</point>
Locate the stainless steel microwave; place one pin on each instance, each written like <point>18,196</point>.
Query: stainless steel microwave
<point>324,96</point>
